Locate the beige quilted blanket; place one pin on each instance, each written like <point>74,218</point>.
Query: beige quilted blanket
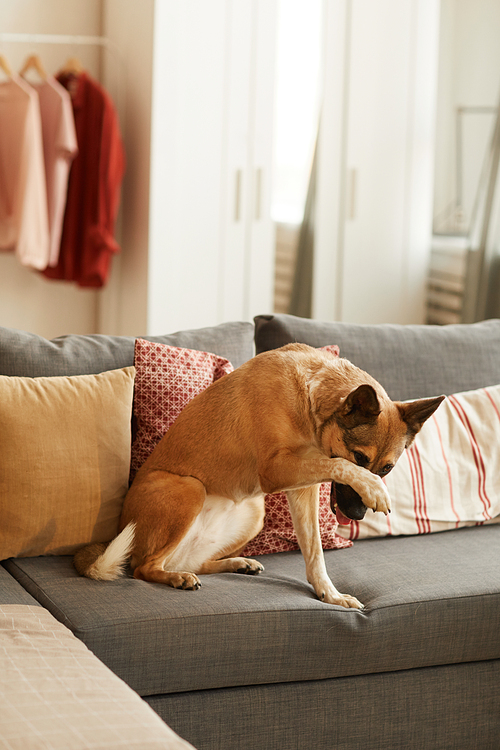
<point>56,695</point>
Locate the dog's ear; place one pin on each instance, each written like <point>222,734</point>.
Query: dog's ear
<point>361,406</point>
<point>415,413</point>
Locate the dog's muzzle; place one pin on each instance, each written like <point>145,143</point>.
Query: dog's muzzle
<point>346,504</point>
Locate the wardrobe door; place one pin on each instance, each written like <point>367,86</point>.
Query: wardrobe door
<point>187,144</point>
<point>211,251</point>
<point>379,91</point>
<point>261,231</point>
<point>236,156</point>
<point>248,232</point>
<point>374,244</point>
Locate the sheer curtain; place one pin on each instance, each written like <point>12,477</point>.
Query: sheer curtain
<point>482,285</point>
<point>301,299</point>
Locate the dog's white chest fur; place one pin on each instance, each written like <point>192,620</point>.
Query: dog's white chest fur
<point>218,526</point>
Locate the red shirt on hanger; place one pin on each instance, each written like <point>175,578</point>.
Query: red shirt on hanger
<point>87,242</point>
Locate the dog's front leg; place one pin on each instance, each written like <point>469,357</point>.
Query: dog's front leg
<point>291,470</point>
<point>304,508</point>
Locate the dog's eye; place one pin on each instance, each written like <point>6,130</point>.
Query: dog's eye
<point>387,468</point>
<point>360,458</point>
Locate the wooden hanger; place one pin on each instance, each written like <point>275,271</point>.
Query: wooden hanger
<point>4,65</point>
<point>72,66</point>
<point>34,62</point>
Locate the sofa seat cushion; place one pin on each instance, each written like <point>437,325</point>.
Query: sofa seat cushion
<point>410,361</point>
<point>430,600</point>
<point>11,592</point>
<point>30,355</point>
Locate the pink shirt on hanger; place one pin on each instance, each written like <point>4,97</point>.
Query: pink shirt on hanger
<point>59,150</point>
<point>23,199</point>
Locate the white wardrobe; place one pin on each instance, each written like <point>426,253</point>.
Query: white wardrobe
<point>209,255</point>
<point>376,154</point>
<point>211,245</point>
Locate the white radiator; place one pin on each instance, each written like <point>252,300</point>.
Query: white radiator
<point>446,279</point>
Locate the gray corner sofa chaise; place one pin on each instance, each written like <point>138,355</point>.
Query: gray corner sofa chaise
<point>251,663</point>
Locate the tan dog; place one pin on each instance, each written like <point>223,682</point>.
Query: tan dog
<point>288,420</point>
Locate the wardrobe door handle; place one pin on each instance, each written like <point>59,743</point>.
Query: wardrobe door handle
<point>352,194</point>
<point>237,194</point>
<point>259,174</point>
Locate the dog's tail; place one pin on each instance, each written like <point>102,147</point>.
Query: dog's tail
<point>105,562</point>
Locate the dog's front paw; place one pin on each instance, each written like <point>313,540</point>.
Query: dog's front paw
<point>342,600</point>
<point>375,494</point>
<point>327,593</point>
<point>349,602</point>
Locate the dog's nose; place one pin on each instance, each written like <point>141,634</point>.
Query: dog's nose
<point>348,501</point>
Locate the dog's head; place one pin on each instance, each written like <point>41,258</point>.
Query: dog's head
<point>369,429</point>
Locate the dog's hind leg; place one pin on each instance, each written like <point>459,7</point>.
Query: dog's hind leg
<point>163,506</point>
<point>304,508</point>
<point>152,571</point>
<point>232,565</point>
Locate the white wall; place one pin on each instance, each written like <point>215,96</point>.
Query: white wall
<point>28,301</point>
<point>129,24</point>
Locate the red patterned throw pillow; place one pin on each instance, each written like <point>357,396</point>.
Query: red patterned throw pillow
<point>167,378</point>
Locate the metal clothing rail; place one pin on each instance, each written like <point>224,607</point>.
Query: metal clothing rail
<point>74,40</point>
<point>78,39</point>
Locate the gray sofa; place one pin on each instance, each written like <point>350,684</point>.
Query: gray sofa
<point>259,662</point>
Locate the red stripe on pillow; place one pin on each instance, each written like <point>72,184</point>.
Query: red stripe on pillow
<point>448,471</point>
<point>425,515</point>
<point>423,523</point>
<point>492,402</point>
<point>481,523</point>
<point>476,451</point>
<point>416,494</point>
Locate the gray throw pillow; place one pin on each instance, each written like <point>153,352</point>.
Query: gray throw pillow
<point>29,355</point>
<point>413,361</point>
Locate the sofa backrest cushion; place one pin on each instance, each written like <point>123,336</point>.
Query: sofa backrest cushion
<point>30,355</point>
<point>413,361</point>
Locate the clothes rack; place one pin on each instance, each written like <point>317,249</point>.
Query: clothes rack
<point>77,39</point>
<point>106,43</point>
<point>79,256</point>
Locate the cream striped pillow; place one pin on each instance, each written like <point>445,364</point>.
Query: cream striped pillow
<point>450,477</point>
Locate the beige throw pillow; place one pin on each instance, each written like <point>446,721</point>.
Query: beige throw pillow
<point>64,460</point>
